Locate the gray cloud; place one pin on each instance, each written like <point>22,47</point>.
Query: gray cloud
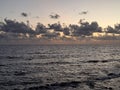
<point>114,30</point>
<point>16,27</point>
<point>66,31</point>
<point>24,14</point>
<point>85,28</point>
<point>83,13</point>
<point>12,29</point>
<point>54,16</point>
<point>40,28</point>
<point>55,26</point>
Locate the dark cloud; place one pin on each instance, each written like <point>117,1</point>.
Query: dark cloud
<point>40,28</point>
<point>83,13</point>
<point>1,25</point>
<point>81,21</point>
<point>66,31</point>
<point>16,27</point>
<point>114,30</point>
<point>117,28</point>
<point>12,29</point>
<point>2,36</point>
<point>55,26</point>
<point>54,16</point>
<point>85,28</point>
<point>24,14</point>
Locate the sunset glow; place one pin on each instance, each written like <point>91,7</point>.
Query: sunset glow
<point>59,20</point>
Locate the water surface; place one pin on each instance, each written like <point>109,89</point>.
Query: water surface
<point>60,67</point>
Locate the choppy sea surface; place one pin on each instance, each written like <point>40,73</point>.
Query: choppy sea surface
<point>60,67</point>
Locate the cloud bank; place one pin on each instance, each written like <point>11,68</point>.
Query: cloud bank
<point>14,30</point>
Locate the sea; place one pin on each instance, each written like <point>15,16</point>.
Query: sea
<point>59,67</point>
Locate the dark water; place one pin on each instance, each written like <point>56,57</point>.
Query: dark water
<point>60,67</point>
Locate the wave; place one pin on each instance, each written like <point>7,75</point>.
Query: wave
<point>101,61</point>
<point>11,57</point>
<point>74,84</point>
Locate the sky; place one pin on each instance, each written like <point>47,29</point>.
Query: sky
<point>105,12</point>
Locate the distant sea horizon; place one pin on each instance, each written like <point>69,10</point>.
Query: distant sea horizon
<point>60,42</point>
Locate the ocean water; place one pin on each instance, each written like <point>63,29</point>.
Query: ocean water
<point>60,67</point>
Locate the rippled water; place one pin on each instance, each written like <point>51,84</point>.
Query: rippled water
<point>60,67</point>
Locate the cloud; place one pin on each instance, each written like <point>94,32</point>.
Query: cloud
<point>12,29</point>
<point>40,28</point>
<point>51,35</point>
<point>114,30</point>
<point>85,28</point>
<point>83,13</point>
<point>16,36</point>
<point>81,20</point>
<point>66,31</point>
<point>24,14</point>
<point>55,26</point>
<point>16,27</point>
<point>54,16</point>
